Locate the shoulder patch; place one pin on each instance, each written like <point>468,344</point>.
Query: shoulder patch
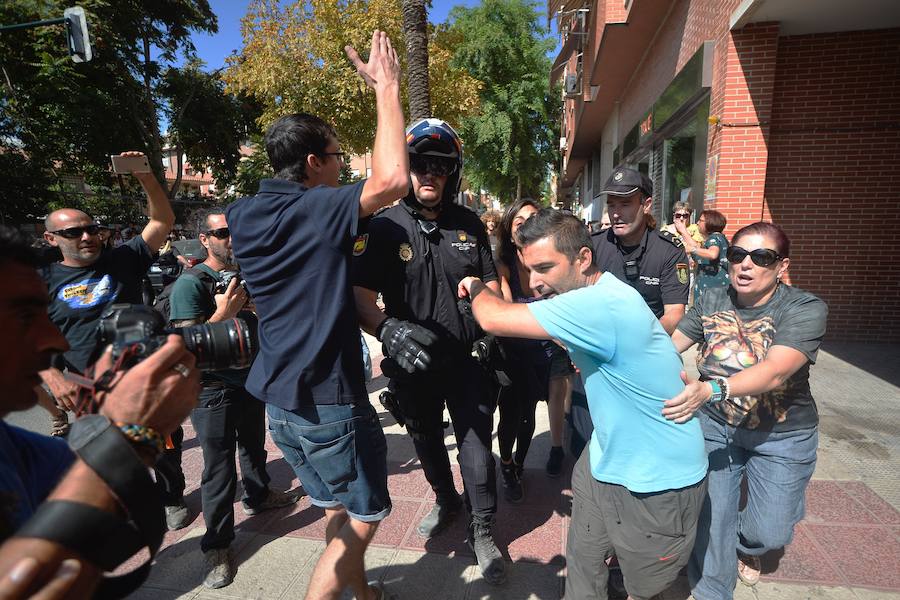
<point>681,269</point>
<point>672,239</point>
<point>359,246</point>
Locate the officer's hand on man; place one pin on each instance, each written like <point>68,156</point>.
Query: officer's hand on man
<point>159,392</point>
<point>230,302</point>
<point>407,343</point>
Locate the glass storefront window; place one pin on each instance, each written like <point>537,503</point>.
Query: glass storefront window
<point>684,164</point>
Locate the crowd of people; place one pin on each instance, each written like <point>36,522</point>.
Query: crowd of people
<point>473,315</point>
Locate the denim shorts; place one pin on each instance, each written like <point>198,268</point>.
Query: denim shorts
<point>339,453</point>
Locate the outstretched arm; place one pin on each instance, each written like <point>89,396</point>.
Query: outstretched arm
<point>497,316</point>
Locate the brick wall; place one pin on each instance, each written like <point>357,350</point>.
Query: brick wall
<point>833,178</point>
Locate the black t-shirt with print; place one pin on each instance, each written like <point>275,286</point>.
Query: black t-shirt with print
<point>79,295</point>
<point>732,339</point>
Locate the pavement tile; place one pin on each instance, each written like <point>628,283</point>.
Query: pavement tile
<point>394,528</point>
<point>280,472</point>
<point>530,535</point>
<point>407,481</point>
<point>376,560</point>
<point>867,556</point>
<point>776,590</point>
<point>148,593</point>
<point>803,561</point>
<point>828,502</point>
<point>418,575</point>
<point>302,520</point>
<point>180,566</point>
<point>865,594</point>
<point>524,582</point>
<point>540,491</point>
<point>863,494</point>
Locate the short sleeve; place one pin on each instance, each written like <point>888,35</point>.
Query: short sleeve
<point>137,253</point>
<point>370,258</point>
<point>690,324</point>
<point>673,290</point>
<point>337,210</point>
<point>802,325</point>
<point>186,300</point>
<point>581,319</point>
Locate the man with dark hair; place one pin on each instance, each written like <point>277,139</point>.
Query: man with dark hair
<point>85,283</point>
<point>652,262</point>
<point>414,253</point>
<point>294,241</point>
<point>628,496</point>
<point>227,417</point>
<point>47,491</point>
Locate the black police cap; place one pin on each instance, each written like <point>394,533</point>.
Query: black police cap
<point>625,181</point>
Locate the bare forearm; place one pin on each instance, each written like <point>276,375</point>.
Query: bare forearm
<point>487,305</point>
<point>390,159</point>
<point>158,206</point>
<point>370,316</point>
<point>670,319</point>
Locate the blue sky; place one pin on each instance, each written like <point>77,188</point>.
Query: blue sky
<point>214,48</point>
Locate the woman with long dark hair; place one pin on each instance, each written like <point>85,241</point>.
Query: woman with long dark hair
<point>757,339</point>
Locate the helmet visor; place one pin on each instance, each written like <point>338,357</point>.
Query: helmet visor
<point>431,165</point>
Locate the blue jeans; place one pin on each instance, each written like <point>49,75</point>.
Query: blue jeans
<point>778,467</point>
<point>339,454</point>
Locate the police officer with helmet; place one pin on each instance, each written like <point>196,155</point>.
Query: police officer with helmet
<point>414,254</point>
<point>652,261</point>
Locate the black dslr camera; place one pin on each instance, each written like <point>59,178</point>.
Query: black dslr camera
<point>227,276</point>
<point>140,330</point>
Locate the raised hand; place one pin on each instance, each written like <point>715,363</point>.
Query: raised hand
<point>383,67</point>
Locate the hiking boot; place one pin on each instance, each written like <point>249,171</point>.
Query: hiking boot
<point>177,516</point>
<point>512,484</point>
<point>274,499</point>
<point>487,555</point>
<point>554,461</point>
<point>219,568</point>
<point>440,516</point>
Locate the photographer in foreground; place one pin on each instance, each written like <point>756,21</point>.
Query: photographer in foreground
<point>227,417</point>
<point>66,518</point>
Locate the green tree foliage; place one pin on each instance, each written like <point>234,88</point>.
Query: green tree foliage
<point>60,118</point>
<point>513,139</point>
<point>293,61</point>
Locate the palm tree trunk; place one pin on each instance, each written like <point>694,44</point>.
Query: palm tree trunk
<point>415,30</point>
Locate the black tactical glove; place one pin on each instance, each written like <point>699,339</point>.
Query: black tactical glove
<point>406,343</point>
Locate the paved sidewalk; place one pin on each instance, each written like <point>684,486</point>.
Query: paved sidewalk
<point>848,547</point>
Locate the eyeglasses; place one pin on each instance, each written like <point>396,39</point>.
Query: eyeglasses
<point>761,257</point>
<point>222,233</point>
<point>682,215</point>
<point>432,165</point>
<point>342,156</point>
<point>73,233</point>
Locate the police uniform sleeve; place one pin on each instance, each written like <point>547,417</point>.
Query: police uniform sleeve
<point>186,300</point>
<point>488,268</point>
<point>673,278</point>
<point>370,258</point>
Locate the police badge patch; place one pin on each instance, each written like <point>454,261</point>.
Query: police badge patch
<point>462,236</point>
<point>359,245</point>
<point>406,252</point>
<point>681,270</point>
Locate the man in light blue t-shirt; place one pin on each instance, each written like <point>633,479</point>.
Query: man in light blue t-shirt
<point>639,488</point>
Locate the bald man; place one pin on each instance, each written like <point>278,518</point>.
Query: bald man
<point>90,278</point>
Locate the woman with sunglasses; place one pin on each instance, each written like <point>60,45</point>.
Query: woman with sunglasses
<point>709,255</point>
<point>757,339</point>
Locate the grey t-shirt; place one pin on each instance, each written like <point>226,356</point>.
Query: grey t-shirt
<point>732,339</point>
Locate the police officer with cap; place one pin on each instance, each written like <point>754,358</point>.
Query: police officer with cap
<point>652,261</point>
<point>414,254</point>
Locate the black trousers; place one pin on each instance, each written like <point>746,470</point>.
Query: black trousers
<point>169,476</point>
<point>470,396</point>
<point>229,419</point>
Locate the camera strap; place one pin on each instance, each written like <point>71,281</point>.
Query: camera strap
<point>89,387</point>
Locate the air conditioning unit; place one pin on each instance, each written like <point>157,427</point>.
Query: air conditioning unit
<point>573,85</point>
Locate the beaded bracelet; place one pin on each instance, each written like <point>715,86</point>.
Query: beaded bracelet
<point>143,435</point>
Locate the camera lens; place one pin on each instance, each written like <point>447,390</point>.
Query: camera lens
<point>217,346</point>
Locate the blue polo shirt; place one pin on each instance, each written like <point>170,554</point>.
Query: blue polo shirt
<point>294,246</point>
<point>629,367</point>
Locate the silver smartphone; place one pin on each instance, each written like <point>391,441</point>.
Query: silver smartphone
<point>123,165</point>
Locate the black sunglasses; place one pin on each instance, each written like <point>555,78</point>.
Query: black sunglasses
<point>682,215</point>
<point>222,233</point>
<point>432,165</point>
<point>73,233</point>
<point>761,257</point>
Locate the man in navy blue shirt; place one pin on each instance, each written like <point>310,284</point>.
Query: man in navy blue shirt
<point>293,242</point>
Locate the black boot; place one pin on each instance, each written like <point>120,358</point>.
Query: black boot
<point>488,557</point>
<point>441,515</point>
<point>512,484</point>
<point>554,461</point>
